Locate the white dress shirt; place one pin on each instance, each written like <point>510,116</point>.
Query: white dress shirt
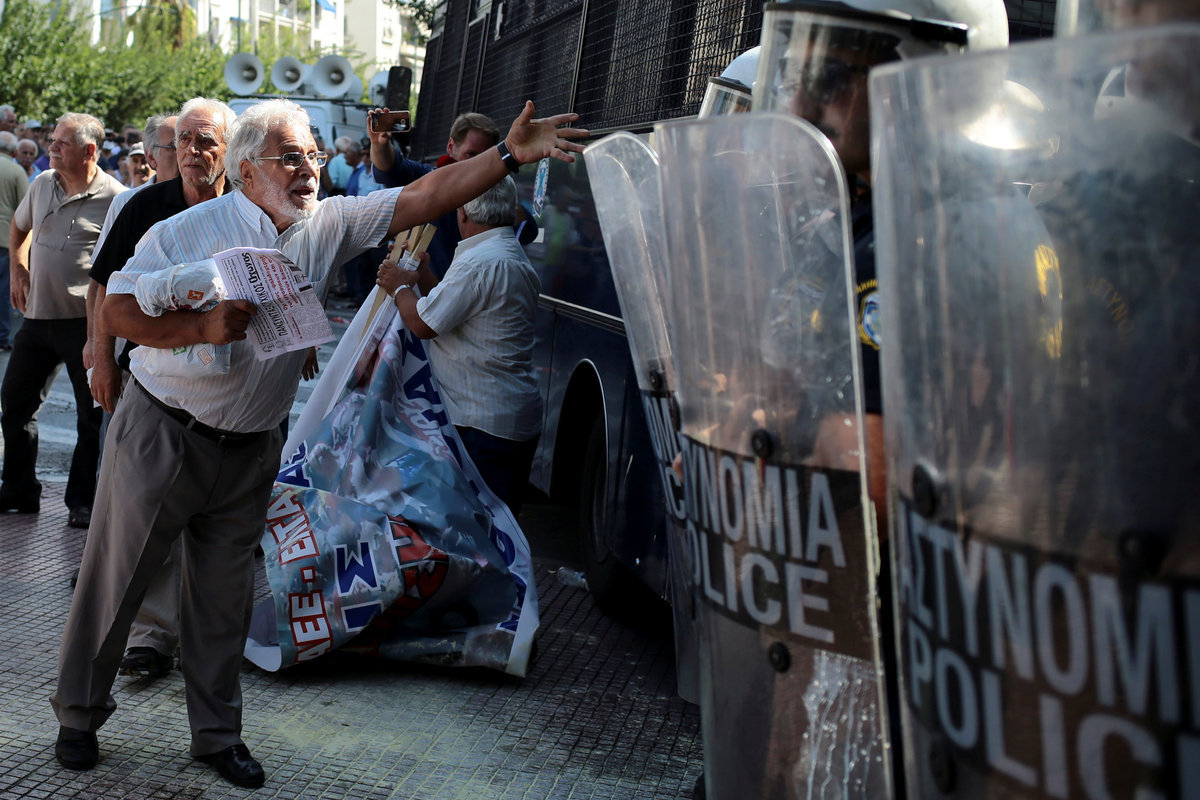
<point>254,395</point>
<point>483,354</point>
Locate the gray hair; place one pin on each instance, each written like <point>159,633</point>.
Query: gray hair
<point>249,138</point>
<point>497,206</point>
<point>29,142</point>
<point>8,112</point>
<point>87,128</point>
<point>223,115</point>
<point>8,143</point>
<point>341,143</point>
<point>150,132</point>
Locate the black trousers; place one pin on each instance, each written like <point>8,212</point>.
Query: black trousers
<point>502,463</point>
<point>40,349</point>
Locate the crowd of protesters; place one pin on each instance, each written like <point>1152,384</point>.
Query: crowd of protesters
<point>174,500</point>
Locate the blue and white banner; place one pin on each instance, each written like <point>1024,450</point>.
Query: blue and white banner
<point>381,537</point>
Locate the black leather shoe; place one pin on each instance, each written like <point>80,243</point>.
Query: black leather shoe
<point>27,502</point>
<point>146,662</point>
<point>80,517</point>
<point>237,766</point>
<point>76,749</point>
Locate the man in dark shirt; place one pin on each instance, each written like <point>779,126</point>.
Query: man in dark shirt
<point>470,135</point>
<point>200,142</point>
<point>200,136</point>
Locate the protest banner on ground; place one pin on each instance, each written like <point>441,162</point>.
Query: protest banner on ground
<point>381,537</point>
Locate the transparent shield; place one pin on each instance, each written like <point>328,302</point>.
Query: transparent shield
<point>623,171</point>
<point>624,175</point>
<point>1077,17</point>
<point>1042,411</point>
<point>766,352</point>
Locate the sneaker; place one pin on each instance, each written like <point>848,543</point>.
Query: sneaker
<point>146,662</point>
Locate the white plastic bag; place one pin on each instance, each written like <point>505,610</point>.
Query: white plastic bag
<point>195,286</point>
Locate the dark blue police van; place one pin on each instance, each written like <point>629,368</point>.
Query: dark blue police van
<point>621,65</point>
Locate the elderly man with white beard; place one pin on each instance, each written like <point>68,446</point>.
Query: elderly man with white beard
<point>200,455</point>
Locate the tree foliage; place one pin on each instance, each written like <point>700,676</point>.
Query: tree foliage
<point>423,11</point>
<point>149,66</point>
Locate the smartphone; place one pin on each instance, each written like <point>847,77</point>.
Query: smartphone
<point>394,121</point>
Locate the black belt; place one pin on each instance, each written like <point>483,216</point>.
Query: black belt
<point>222,438</point>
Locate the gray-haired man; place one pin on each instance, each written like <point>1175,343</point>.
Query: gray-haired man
<point>200,455</point>
<point>50,245</point>
<point>204,125</point>
<point>480,320</point>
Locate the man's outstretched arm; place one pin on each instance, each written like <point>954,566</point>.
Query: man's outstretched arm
<point>445,189</point>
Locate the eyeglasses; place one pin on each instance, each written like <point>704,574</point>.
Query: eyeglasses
<point>295,159</point>
<point>50,235</point>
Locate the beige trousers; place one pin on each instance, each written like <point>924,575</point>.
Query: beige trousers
<point>158,479</point>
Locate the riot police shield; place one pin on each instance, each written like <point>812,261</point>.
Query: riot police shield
<point>623,171</point>
<point>757,232</point>
<point>1042,410</point>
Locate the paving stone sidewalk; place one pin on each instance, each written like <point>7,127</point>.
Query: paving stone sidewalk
<point>597,717</point>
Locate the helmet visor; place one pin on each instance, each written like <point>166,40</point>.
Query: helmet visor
<point>724,97</point>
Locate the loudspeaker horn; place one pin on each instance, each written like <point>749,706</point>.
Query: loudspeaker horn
<point>333,76</point>
<point>289,74</point>
<point>377,89</point>
<point>244,73</point>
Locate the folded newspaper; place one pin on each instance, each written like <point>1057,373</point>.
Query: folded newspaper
<point>290,315</point>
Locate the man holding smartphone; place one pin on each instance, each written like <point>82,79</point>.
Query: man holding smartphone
<point>470,135</point>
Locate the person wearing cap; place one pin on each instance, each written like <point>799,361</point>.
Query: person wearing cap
<point>31,128</point>
<point>821,77</point>
<point>108,159</point>
<point>138,167</point>
<point>815,61</point>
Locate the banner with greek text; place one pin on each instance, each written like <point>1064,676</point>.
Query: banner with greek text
<point>381,538</point>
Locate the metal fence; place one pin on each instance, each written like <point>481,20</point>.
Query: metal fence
<point>621,64</point>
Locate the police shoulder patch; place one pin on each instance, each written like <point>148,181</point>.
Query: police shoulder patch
<point>868,316</point>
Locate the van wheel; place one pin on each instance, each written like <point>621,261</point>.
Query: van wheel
<point>608,580</point>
